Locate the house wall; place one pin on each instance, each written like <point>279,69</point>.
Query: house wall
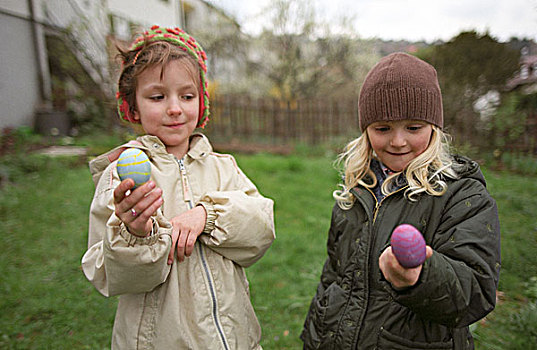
<point>25,81</point>
<point>87,27</point>
<point>19,75</point>
<point>145,13</point>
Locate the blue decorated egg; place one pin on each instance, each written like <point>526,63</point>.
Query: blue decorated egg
<point>134,164</point>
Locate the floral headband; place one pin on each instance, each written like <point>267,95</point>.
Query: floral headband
<point>180,38</point>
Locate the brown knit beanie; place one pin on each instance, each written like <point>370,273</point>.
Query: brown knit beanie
<point>400,86</point>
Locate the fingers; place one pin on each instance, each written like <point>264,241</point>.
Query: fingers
<point>428,252</point>
<point>151,204</point>
<point>190,242</point>
<point>138,199</point>
<point>397,275</point>
<point>185,244</point>
<point>136,208</point>
<point>175,236</point>
<point>148,204</point>
<point>121,190</point>
<point>183,241</point>
<point>187,226</point>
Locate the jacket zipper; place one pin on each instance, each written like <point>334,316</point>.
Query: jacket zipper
<point>379,204</point>
<point>187,195</point>
<point>371,230</point>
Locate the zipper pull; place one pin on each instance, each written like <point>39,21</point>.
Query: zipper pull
<point>187,195</point>
<point>376,211</point>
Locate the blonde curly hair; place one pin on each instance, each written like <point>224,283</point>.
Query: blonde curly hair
<point>425,173</point>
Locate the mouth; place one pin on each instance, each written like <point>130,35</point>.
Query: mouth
<point>398,154</point>
<point>174,125</point>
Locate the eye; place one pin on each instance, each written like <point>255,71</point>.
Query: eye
<point>414,127</point>
<point>189,97</point>
<point>382,128</point>
<point>156,97</point>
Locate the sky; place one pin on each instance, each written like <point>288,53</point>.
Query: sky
<point>413,20</point>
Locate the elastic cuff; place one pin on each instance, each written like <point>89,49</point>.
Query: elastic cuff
<point>211,217</point>
<point>132,238</point>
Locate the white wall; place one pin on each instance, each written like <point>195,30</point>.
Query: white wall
<point>24,57</point>
<point>15,6</point>
<point>147,12</point>
<point>19,76</point>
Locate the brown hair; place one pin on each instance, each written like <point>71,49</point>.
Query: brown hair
<point>157,53</point>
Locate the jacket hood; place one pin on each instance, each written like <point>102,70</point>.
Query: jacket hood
<point>467,168</point>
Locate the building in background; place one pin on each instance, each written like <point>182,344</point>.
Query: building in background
<point>58,55</point>
<point>526,78</point>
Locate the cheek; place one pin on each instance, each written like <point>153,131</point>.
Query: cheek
<point>376,144</point>
<point>194,110</point>
<point>422,144</point>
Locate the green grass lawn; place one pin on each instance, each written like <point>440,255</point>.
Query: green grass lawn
<point>46,303</point>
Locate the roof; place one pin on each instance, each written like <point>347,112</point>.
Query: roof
<point>530,63</point>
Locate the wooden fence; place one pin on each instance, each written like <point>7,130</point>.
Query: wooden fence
<point>241,119</point>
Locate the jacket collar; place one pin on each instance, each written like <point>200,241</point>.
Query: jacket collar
<point>199,147</point>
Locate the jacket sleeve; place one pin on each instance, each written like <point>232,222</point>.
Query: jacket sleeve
<point>240,223</point>
<point>117,262</point>
<point>330,269</point>
<point>458,283</point>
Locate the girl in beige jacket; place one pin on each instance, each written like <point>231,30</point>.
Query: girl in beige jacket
<point>175,248</point>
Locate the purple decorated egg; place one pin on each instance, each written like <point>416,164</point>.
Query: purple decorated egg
<point>408,246</point>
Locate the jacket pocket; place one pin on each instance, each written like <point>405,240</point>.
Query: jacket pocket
<point>389,341</point>
<point>323,317</point>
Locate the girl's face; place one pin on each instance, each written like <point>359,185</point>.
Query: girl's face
<point>168,106</point>
<point>396,143</point>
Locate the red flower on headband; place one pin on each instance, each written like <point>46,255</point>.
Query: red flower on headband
<point>124,108</point>
<point>173,31</point>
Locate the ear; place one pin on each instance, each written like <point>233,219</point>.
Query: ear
<point>136,116</point>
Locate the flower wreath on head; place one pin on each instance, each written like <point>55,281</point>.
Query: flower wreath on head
<point>183,40</point>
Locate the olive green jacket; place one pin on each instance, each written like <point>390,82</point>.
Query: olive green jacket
<point>202,302</point>
<point>356,308</point>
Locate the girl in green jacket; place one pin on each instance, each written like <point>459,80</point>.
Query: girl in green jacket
<point>400,171</point>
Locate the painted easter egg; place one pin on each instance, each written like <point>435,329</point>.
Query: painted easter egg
<point>134,164</point>
<point>408,246</point>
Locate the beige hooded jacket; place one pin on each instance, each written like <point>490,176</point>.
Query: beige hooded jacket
<point>202,302</point>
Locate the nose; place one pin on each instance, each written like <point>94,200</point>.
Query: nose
<point>398,139</point>
<point>174,107</point>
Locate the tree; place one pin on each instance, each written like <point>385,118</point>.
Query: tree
<point>469,66</point>
<point>293,22</point>
<point>304,59</point>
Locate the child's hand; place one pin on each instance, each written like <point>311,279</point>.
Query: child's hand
<point>136,209</point>
<point>187,227</point>
<point>396,274</point>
